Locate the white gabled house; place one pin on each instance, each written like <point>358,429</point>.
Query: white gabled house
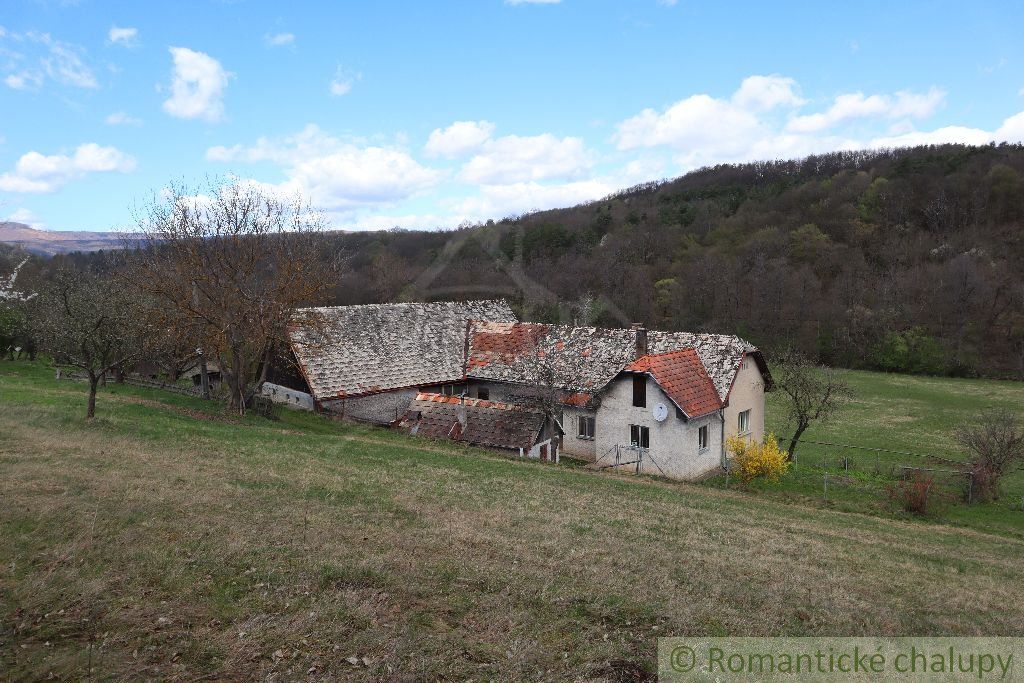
<point>660,402</point>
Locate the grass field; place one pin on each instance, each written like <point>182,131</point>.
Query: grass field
<point>167,541</point>
<point>898,413</point>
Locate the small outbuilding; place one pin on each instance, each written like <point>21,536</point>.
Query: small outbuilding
<point>519,428</point>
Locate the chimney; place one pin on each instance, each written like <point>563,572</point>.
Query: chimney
<point>641,339</point>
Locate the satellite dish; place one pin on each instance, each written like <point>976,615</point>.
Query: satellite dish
<point>660,412</point>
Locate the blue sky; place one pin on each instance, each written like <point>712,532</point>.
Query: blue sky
<point>427,114</point>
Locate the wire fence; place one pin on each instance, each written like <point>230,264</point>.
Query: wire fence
<point>835,471</point>
<point>140,382</point>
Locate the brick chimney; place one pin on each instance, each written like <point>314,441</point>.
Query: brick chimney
<point>641,339</point>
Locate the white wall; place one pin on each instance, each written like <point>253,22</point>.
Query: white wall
<point>285,396</point>
<point>572,444</point>
<point>673,442</point>
<point>747,394</point>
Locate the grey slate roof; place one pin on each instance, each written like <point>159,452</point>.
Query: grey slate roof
<point>357,350</point>
<point>475,421</point>
<point>585,359</point>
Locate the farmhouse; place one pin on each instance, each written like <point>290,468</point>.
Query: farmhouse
<point>368,362</point>
<point>659,402</point>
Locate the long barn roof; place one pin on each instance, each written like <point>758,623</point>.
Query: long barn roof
<point>358,350</point>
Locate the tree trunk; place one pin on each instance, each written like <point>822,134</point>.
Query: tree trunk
<point>94,381</point>
<point>796,437</point>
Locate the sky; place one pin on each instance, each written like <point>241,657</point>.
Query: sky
<point>425,114</point>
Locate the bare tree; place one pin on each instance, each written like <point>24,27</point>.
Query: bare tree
<point>996,440</point>
<point>91,323</point>
<point>815,392</point>
<point>229,268</point>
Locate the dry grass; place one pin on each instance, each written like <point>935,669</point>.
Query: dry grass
<point>152,545</point>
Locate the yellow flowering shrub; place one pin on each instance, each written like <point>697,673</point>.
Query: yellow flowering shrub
<point>752,460</point>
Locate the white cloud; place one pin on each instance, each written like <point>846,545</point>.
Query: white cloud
<point>459,139</point>
<point>760,121</point>
<point>125,36</point>
<point>23,80</point>
<point>513,158</point>
<point>857,105</point>
<point>197,86</point>
<point>38,173</point>
<point>495,201</point>
<point>26,217</point>
<point>119,118</point>
<point>343,81</point>
<point>768,92</point>
<point>279,39</point>
<point>334,174</point>
<point>699,122</point>
<point>1011,130</point>
<point>49,59</point>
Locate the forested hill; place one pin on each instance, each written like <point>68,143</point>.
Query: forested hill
<point>906,260</point>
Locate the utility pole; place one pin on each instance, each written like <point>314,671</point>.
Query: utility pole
<point>204,376</point>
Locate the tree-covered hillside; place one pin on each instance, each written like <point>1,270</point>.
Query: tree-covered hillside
<point>905,260</point>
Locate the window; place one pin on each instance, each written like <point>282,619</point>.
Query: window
<point>640,391</point>
<point>744,422</point>
<point>483,393</point>
<point>639,436</point>
<point>585,427</point>
<point>702,438</point>
<point>453,389</point>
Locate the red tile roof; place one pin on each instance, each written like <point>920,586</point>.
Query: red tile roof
<point>473,420</point>
<point>683,378</point>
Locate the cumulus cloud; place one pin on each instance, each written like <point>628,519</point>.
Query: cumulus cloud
<point>696,123</point>
<point>768,92</point>
<point>119,118</point>
<point>124,36</point>
<point>46,59</point>
<point>279,39</point>
<point>1011,130</point>
<point>335,174</point>
<point>197,86</point>
<point>343,81</point>
<point>459,139</point>
<point>762,120</point>
<point>37,173</point>
<point>26,217</point>
<point>515,198</point>
<point>903,104</point>
<point>514,158</point>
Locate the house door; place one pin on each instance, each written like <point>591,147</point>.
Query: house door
<point>544,452</point>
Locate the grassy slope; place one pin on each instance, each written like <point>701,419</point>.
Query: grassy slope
<point>155,544</point>
<point>901,413</point>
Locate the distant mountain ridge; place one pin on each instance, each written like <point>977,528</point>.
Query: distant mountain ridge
<point>48,243</point>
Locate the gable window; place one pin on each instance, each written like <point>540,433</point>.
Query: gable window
<point>483,393</point>
<point>639,436</point>
<point>585,427</point>
<point>702,438</point>
<point>744,422</point>
<point>639,391</point>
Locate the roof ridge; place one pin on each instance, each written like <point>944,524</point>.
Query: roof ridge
<point>407,303</point>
